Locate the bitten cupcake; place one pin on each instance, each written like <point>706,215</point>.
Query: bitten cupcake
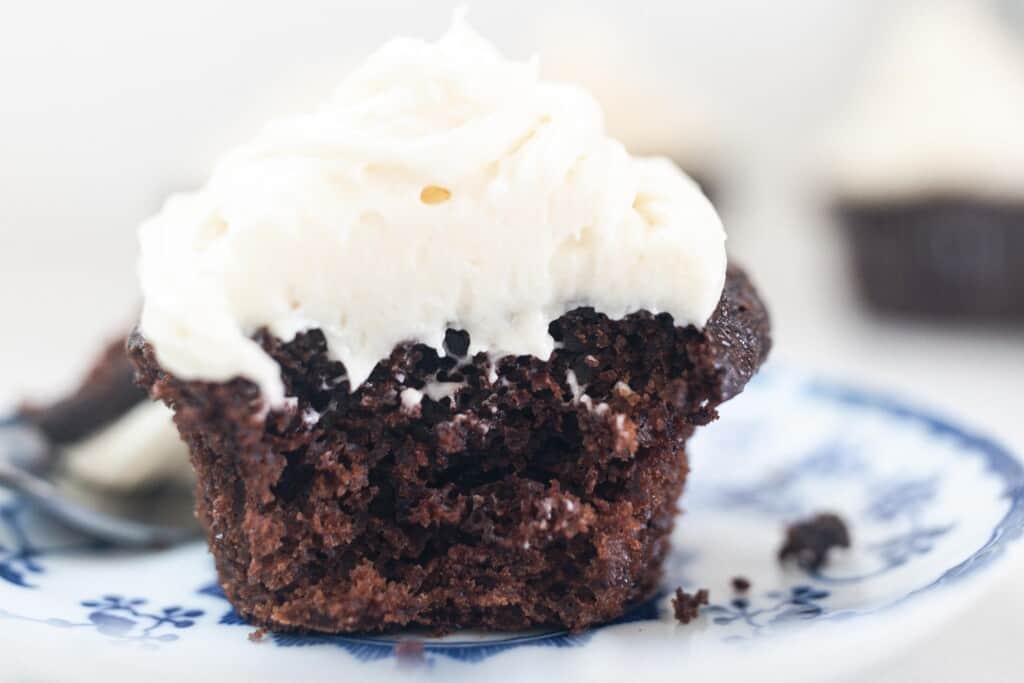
<point>927,168</point>
<point>437,349</point>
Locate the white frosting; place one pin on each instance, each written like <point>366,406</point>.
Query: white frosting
<point>942,110</point>
<point>141,448</point>
<point>411,399</point>
<point>442,186</point>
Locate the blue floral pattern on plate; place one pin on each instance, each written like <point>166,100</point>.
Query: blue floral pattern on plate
<point>125,618</point>
<point>929,503</point>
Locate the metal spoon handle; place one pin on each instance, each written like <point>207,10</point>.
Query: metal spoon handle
<point>91,522</point>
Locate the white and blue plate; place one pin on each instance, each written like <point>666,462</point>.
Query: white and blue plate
<point>932,508</point>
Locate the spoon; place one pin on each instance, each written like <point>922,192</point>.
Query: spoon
<point>30,465</point>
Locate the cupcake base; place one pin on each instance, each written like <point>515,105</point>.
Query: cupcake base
<point>449,492</point>
<point>942,257</point>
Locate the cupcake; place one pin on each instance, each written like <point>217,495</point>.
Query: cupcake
<point>437,349</point>
<point>927,169</point>
<point>651,111</point>
<point>109,434</point>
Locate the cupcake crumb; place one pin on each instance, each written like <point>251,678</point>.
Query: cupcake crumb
<point>410,651</point>
<point>809,541</point>
<point>686,606</point>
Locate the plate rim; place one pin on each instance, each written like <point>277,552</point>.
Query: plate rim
<point>997,459</point>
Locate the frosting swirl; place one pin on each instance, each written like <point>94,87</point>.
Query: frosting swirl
<point>442,186</point>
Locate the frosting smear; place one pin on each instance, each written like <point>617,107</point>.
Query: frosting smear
<point>442,186</point>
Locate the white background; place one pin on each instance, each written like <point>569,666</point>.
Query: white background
<point>105,106</point>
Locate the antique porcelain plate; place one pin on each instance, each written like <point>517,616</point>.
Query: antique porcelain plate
<point>931,507</point>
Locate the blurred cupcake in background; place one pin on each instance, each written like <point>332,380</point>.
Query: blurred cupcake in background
<point>646,106</point>
<point>926,170</point>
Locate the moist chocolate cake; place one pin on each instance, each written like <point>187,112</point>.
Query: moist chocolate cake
<point>437,348</point>
<point>531,493</point>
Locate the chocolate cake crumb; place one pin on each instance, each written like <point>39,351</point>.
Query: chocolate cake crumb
<point>410,651</point>
<point>515,501</point>
<point>456,343</point>
<point>740,584</point>
<point>257,635</point>
<point>687,606</point>
<point>809,541</point>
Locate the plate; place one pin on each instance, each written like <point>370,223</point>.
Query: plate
<point>931,508</point>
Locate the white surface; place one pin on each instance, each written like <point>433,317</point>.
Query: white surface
<point>94,134</point>
<point>443,185</point>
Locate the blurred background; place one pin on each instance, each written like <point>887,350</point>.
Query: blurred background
<point>108,106</point>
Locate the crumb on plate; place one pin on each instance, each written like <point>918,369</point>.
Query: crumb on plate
<point>687,606</point>
<point>810,540</point>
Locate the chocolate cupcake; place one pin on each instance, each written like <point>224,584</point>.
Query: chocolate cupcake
<point>437,349</point>
<point>927,170</point>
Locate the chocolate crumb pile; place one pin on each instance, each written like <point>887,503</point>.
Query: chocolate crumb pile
<point>687,606</point>
<point>528,493</point>
<point>809,541</point>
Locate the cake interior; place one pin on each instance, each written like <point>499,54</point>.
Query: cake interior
<point>450,491</point>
